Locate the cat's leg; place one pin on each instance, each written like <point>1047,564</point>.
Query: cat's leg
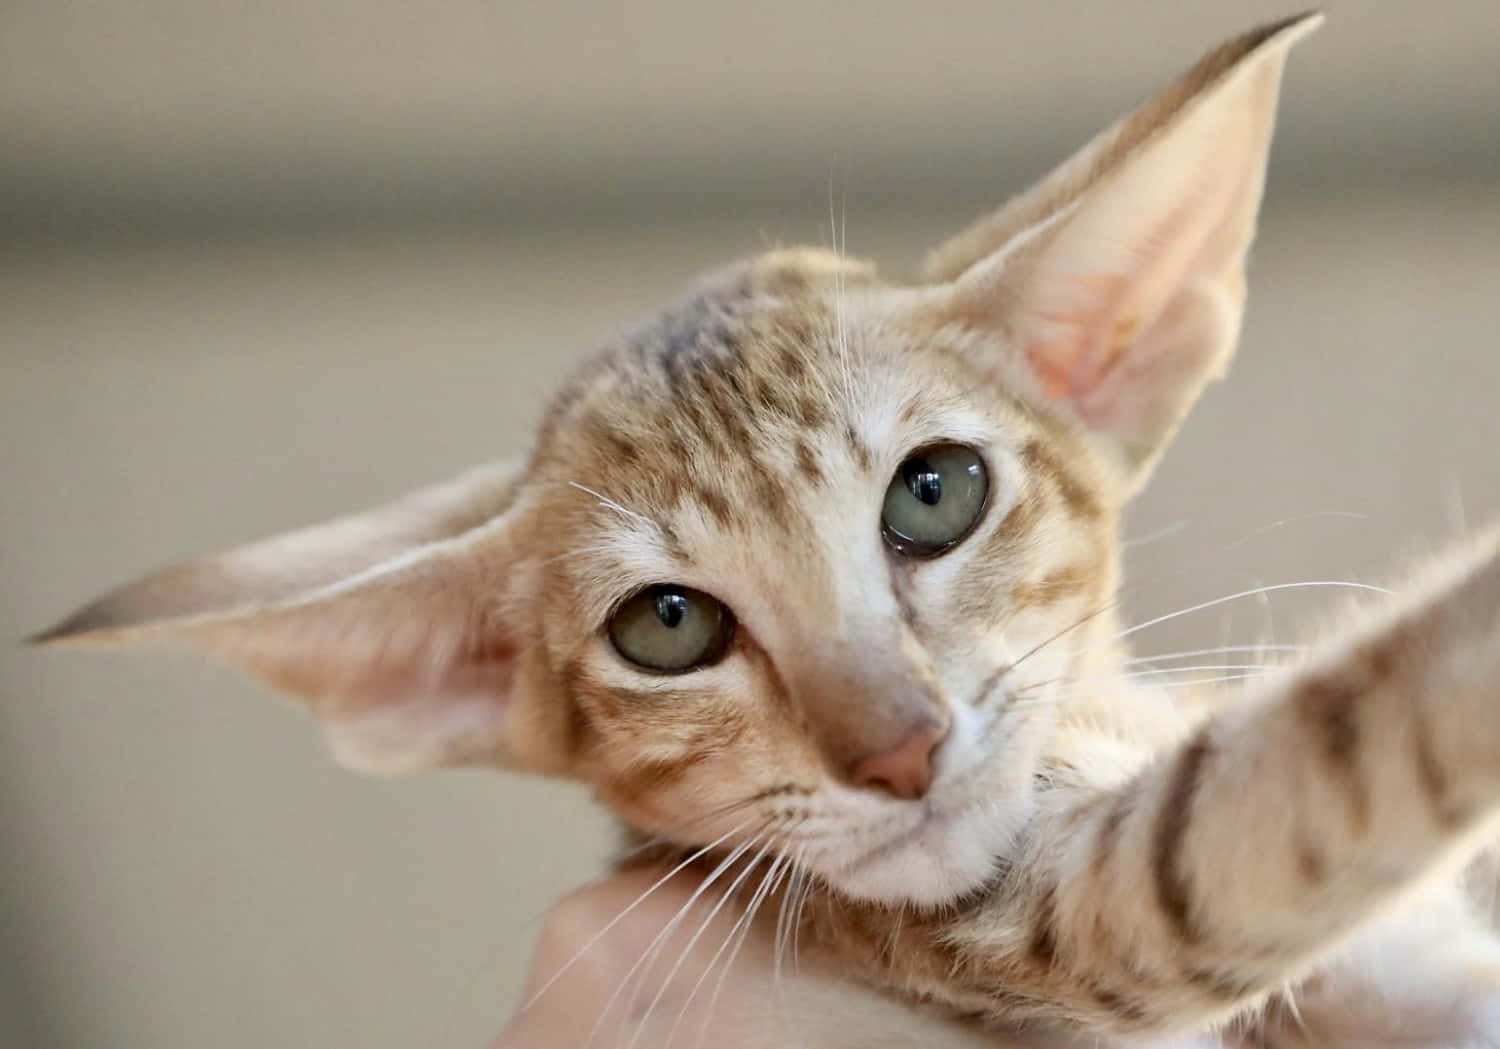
<point>1235,864</point>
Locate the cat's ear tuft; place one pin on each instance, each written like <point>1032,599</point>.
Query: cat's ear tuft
<point>1118,281</point>
<point>392,625</point>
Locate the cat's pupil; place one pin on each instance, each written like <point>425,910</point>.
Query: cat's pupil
<point>671,607</point>
<point>922,480</point>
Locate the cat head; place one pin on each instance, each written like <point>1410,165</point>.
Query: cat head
<point>781,562</point>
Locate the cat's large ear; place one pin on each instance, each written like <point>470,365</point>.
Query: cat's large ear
<point>1118,282</point>
<point>395,626</point>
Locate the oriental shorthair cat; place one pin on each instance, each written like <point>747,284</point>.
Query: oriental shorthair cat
<point>812,579</point>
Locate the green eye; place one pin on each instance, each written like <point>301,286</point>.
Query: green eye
<point>935,500</point>
<point>671,628</point>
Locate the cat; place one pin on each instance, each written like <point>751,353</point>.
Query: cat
<point>812,579</point>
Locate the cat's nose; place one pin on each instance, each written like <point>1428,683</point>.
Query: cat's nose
<point>905,770</point>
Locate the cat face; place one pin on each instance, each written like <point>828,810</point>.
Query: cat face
<point>792,566</point>
<point>757,459</point>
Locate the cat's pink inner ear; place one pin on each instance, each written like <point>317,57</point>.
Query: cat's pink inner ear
<point>1068,363</point>
<point>1131,347</point>
<point>412,665</point>
<point>456,714</point>
<point>1125,297</point>
<point>391,625</point>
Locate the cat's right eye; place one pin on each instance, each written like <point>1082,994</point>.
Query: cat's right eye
<point>670,628</point>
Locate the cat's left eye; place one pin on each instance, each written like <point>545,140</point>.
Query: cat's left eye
<point>936,498</point>
<point>671,628</point>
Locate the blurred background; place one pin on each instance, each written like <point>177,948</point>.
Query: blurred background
<point>263,263</point>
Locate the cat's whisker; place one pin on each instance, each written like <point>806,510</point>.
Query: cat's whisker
<point>651,843</point>
<point>1190,653</point>
<point>1219,549</point>
<point>1074,693</point>
<point>629,854</point>
<point>895,934</point>
<point>1110,642</point>
<point>1152,671</point>
<point>1289,997</point>
<point>784,918</point>
<point>768,885</point>
<point>623,511</point>
<point>783,934</point>
<point>843,251</point>
<point>1227,671</point>
<point>840,334</point>
<point>1311,515</point>
<point>1242,594</point>
<point>781,927</point>
<point>649,954</point>
<point>660,942</point>
<point>709,967</point>
<point>807,888</point>
<point>1165,532</point>
<point>665,836</point>
<point>592,940</point>
<point>1010,668</point>
<point>1200,607</point>
<point>1067,679</point>
<point>728,894</point>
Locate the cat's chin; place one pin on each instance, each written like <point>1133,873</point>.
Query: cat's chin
<point>944,858</point>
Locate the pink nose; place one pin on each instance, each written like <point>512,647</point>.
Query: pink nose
<point>905,770</point>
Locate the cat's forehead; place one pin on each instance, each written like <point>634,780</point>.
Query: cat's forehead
<point>743,429</point>
<point>736,362</point>
<point>755,330</point>
<point>768,368</point>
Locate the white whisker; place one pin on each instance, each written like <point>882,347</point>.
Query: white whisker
<point>1076,683</point>
<point>1074,692</point>
<point>1289,996</point>
<point>610,504</point>
<point>697,935</point>
<point>837,235</point>
<point>767,885</point>
<point>1153,672</point>
<point>1294,519</point>
<point>648,955</point>
<point>633,905</point>
<point>708,969</point>
<point>783,924</point>
<point>807,887</point>
<point>1253,592</point>
<point>1165,532</point>
<point>895,936</point>
<point>1214,651</point>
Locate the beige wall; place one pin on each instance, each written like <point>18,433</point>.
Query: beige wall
<point>132,113</point>
<point>197,347</point>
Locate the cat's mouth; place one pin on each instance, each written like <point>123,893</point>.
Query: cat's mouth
<point>946,846</point>
<point>947,853</point>
<point>933,820</point>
